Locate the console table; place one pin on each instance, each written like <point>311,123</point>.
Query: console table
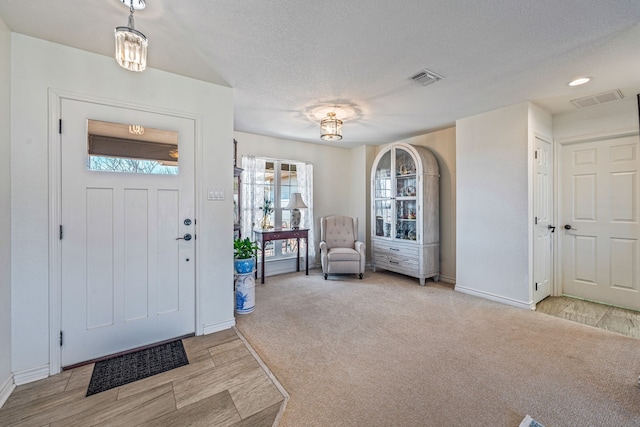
<point>264,236</point>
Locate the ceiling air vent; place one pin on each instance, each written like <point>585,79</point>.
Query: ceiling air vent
<point>601,98</point>
<point>426,77</point>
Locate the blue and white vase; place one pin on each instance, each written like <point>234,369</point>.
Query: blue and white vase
<point>244,266</point>
<point>245,293</point>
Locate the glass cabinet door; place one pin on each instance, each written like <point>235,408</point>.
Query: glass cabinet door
<point>395,193</point>
<point>406,206</point>
<point>382,203</point>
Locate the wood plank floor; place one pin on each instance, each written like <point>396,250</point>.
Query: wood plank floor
<point>224,384</point>
<point>614,319</point>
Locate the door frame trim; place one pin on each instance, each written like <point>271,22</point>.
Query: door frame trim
<point>559,143</point>
<point>55,97</point>
<point>532,237</point>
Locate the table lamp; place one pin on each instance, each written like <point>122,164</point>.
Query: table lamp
<point>295,204</point>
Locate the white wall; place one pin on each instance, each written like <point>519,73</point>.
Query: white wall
<point>442,144</point>
<point>38,65</point>
<point>492,166</point>
<point>611,118</point>
<point>6,380</point>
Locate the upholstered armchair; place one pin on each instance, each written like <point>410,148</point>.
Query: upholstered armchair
<point>340,250</point>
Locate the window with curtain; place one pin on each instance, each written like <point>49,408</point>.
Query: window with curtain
<point>267,184</point>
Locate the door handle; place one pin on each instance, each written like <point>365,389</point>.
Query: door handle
<point>186,237</point>
<point>569,227</point>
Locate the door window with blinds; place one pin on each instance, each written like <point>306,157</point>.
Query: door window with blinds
<point>115,147</point>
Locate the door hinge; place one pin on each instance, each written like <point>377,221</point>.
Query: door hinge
<point>60,338</point>
<point>536,286</point>
<point>60,126</point>
<point>61,232</point>
<point>536,154</point>
<point>535,220</point>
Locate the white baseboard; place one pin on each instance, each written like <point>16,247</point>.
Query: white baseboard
<point>217,327</point>
<point>31,375</point>
<point>6,388</point>
<point>494,297</point>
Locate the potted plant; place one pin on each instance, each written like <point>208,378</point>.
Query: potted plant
<point>243,253</point>
<point>267,208</point>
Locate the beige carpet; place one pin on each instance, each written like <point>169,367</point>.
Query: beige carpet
<point>385,351</point>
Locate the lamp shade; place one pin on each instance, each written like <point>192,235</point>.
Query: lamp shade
<point>331,128</point>
<point>296,202</point>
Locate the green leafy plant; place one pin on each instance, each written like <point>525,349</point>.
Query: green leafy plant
<point>244,248</point>
<point>267,207</point>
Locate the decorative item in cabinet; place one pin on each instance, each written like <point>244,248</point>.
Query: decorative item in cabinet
<point>410,243</point>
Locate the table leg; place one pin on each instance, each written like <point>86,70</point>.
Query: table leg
<point>298,257</point>
<point>262,263</point>
<point>306,262</point>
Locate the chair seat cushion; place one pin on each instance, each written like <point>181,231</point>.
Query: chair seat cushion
<point>343,254</point>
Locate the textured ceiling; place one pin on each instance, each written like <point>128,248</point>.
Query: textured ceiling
<point>284,57</point>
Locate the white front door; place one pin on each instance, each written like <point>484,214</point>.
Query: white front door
<point>126,280</point>
<point>600,230</point>
<point>543,201</point>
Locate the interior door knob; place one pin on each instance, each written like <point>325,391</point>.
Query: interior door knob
<point>186,237</point>
<point>569,227</point>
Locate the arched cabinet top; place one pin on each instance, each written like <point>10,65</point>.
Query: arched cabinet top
<point>424,159</point>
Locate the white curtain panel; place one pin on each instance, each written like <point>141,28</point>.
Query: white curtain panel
<point>305,187</point>
<point>253,179</point>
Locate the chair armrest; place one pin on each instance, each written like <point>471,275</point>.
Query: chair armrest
<point>360,247</point>
<point>323,246</point>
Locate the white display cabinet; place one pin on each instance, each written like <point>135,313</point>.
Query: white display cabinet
<point>405,211</point>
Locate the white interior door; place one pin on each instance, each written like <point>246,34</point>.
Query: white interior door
<point>543,208</point>
<point>126,280</point>
<point>600,184</point>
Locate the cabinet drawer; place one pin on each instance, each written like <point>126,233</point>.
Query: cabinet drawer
<point>397,251</point>
<point>383,260</point>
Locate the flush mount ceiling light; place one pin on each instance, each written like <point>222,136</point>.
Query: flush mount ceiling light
<point>331,128</point>
<point>131,44</point>
<point>579,81</point>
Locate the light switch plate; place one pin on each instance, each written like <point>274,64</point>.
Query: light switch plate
<point>215,194</point>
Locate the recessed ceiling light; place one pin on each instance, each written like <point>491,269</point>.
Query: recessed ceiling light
<point>579,81</point>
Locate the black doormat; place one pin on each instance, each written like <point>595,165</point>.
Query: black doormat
<point>127,368</point>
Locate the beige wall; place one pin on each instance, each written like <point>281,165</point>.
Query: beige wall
<point>5,212</point>
<point>443,145</point>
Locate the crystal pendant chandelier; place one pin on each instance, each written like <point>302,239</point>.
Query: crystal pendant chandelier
<point>331,128</point>
<point>131,44</point>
